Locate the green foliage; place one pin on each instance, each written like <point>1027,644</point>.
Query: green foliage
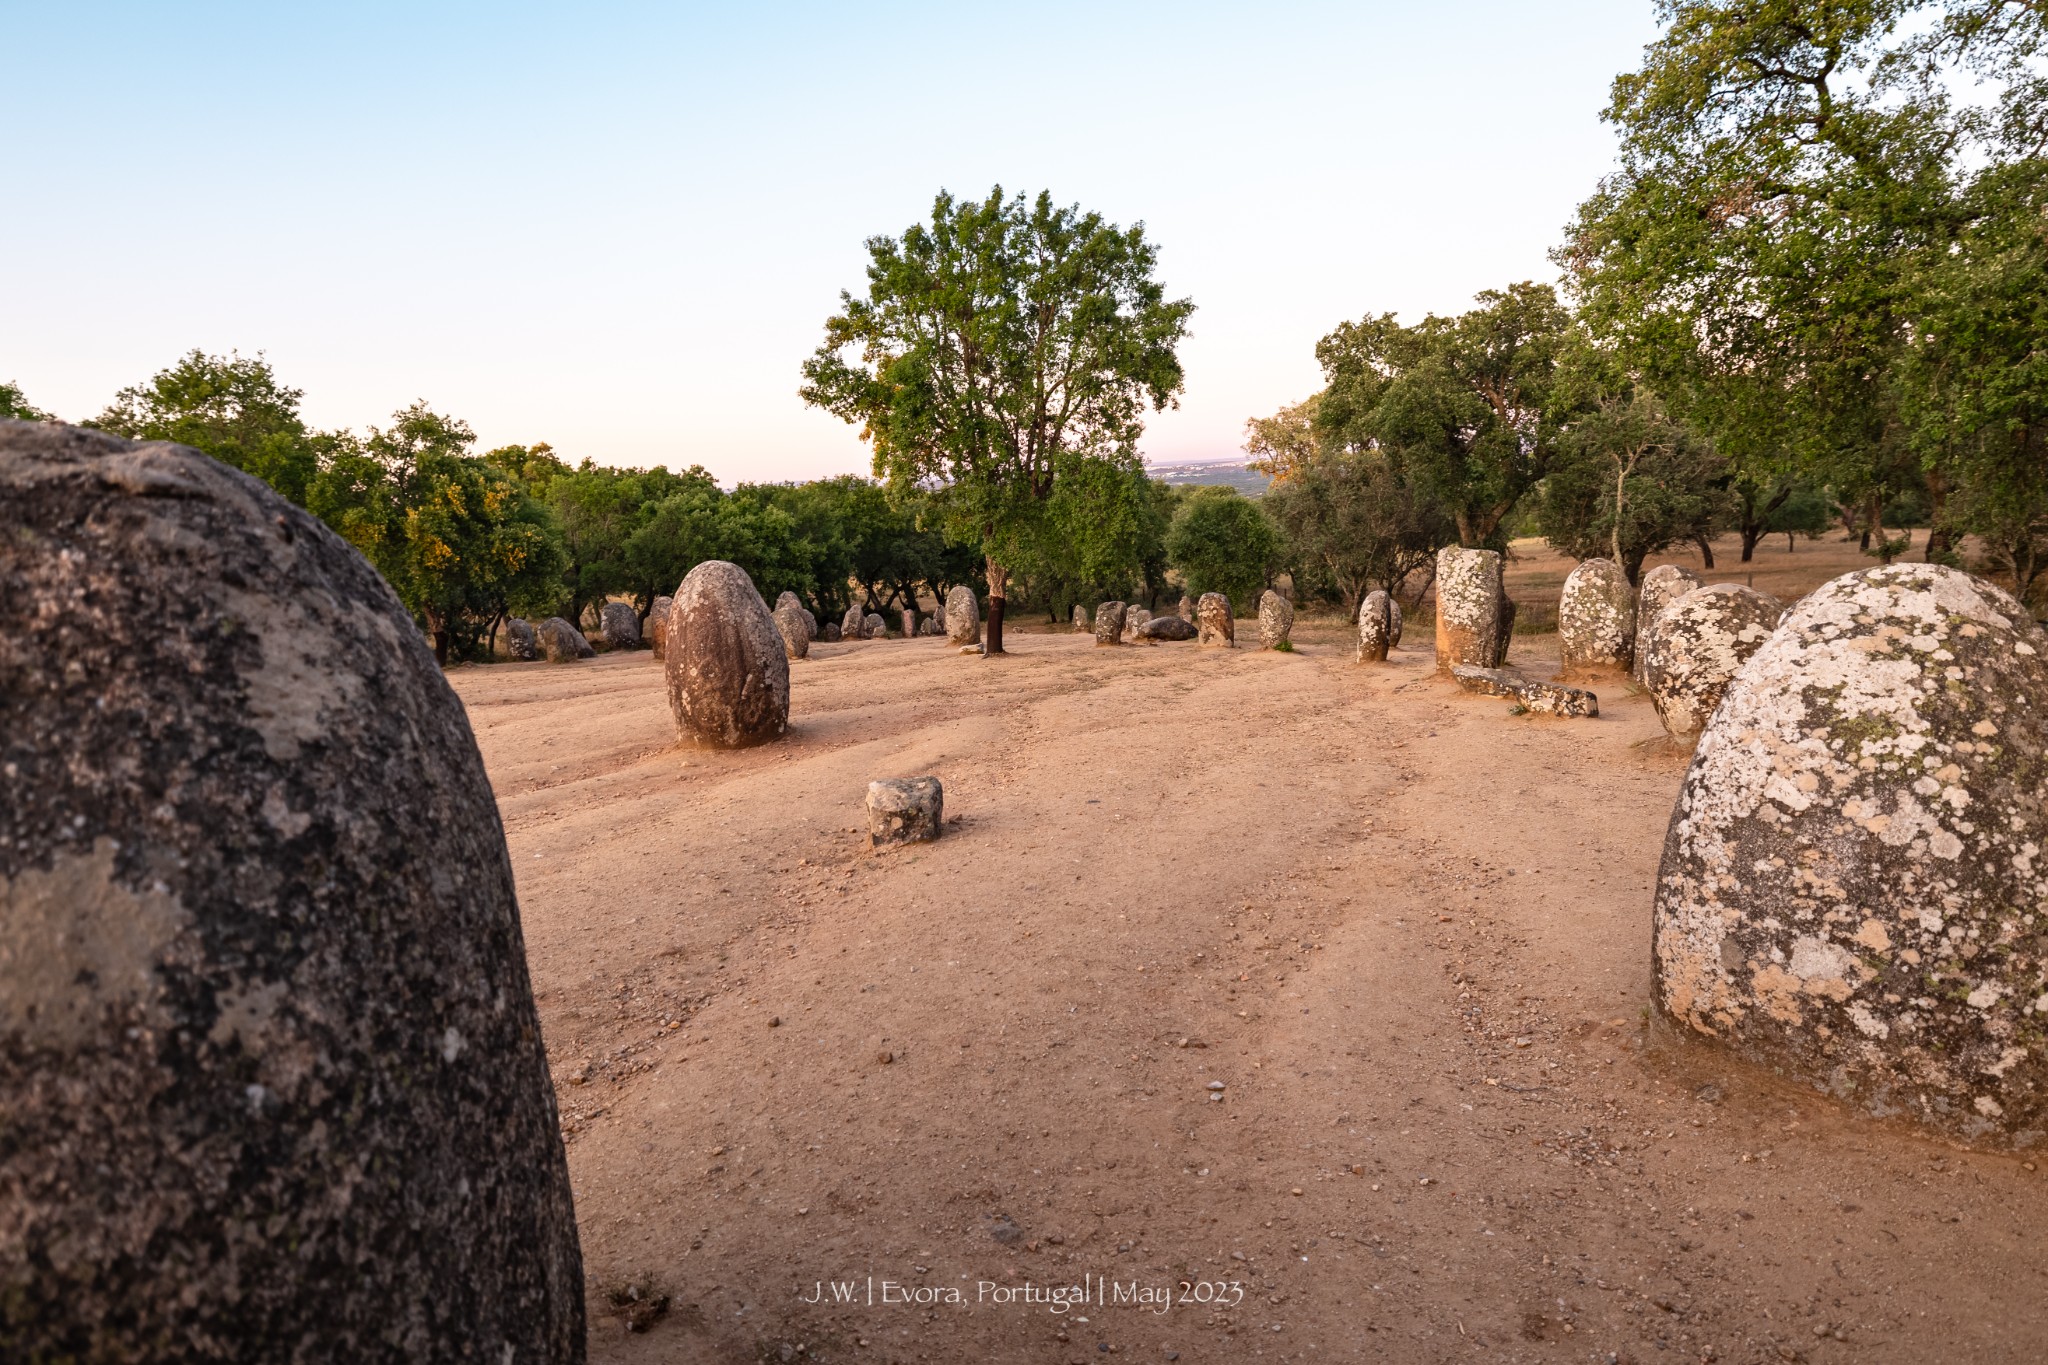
<point>17,407</point>
<point>1351,522</point>
<point>1630,481</point>
<point>231,408</point>
<point>1222,542</point>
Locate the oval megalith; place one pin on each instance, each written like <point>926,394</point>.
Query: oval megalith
<point>1134,617</point>
<point>1394,616</point>
<point>562,642</point>
<point>1661,587</point>
<point>1276,620</point>
<point>1375,627</point>
<point>963,616</point>
<point>853,625</point>
<point>1695,647</point>
<point>1596,619</point>
<point>1214,625</point>
<point>271,1076</point>
<point>520,641</point>
<point>727,668</point>
<point>1109,623</point>
<point>657,623</point>
<point>1165,628</point>
<point>1474,619</point>
<point>1852,886</point>
<point>620,625</point>
<point>1083,623</point>
<point>790,625</point>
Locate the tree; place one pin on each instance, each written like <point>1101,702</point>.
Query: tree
<point>1629,482</point>
<point>233,409</point>
<point>17,407</point>
<point>1223,542</point>
<point>1351,522</point>
<point>1001,349</point>
<point>1283,445</point>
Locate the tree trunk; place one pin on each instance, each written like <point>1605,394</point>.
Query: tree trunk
<point>1871,511</point>
<point>1750,536</point>
<point>1789,546</point>
<point>1706,548</point>
<point>998,585</point>
<point>1938,539</point>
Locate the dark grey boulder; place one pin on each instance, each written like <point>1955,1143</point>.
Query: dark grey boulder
<point>874,626</point>
<point>620,625</point>
<point>790,625</point>
<point>657,623</point>
<point>905,810</point>
<point>1109,623</point>
<point>829,633</point>
<point>726,665</point>
<point>520,641</point>
<point>1166,628</point>
<point>854,625</point>
<point>1083,623</point>
<point>271,1077</point>
<point>562,642</point>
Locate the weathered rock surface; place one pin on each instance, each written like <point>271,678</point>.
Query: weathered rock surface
<point>788,599</point>
<point>1543,698</point>
<point>1474,619</point>
<point>810,622</point>
<point>562,642</point>
<point>1186,609</point>
<point>929,626</point>
<point>621,625</point>
<point>905,810</point>
<point>1083,623</point>
<point>1596,619</point>
<point>875,627</point>
<point>1166,628</point>
<point>1394,615</point>
<point>520,641</point>
<point>1695,647</point>
<point>1661,587</point>
<point>727,669</point>
<point>963,617</point>
<point>1375,627</point>
<point>657,623</point>
<point>796,636</point>
<point>830,633</point>
<point>1276,620</point>
<point>1214,625</point>
<point>1109,624</point>
<point>1853,883</point>
<point>909,623</point>
<point>854,625</point>
<point>1134,617</point>
<point>271,1078</point>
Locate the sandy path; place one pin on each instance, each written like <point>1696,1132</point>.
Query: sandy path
<point>1407,931</point>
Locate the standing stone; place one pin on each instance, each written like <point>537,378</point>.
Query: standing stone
<point>1165,628</point>
<point>928,626</point>
<point>1697,645</point>
<point>1134,617</point>
<point>1394,617</point>
<point>727,669</point>
<point>1596,619</point>
<point>854,625</point>
<point>963,617</point>
<point>939,616</point>
<point>1214,623</point>
<point>1109,624</point>
<point>1662,586</point>
<point>1276,620</point>
<point>810,622</point>
<point>1186,609</point>
<point>830,633</point>
<point>1375,627</point>
<point>621,625</point>
<point>788,599</point>
<point>909,622</point>
<point>1083,623</point>
<point>906,810</point>
<point>520,641</point>
<point>657,623</point>
<point>271,1077</point>
<point>1474,619</point>
<point>874,627</point>
<point>1852,885</point>
<point>562,642</point>
<point>789,624</point>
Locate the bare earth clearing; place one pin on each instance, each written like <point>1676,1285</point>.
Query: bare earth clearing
<point>1407,931</point>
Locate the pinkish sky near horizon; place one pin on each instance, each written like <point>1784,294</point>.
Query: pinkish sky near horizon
<point>619,229</point>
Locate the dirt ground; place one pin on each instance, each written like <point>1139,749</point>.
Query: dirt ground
<point>1406,932</point>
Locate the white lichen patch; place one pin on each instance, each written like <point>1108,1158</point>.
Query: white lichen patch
<point>1472,613</point>
<point>1851,874</point>
<point>1596,618</point>
<point>1693,651</point>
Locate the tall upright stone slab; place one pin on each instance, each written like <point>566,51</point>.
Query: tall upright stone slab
<point>1214,626</point>
<point>1474,618</point>
<point>1375,627</point>
<point>963,617</point>
<point>1109,624</point>
<point>854,625</point>
<point>1276,621</point>
<point>1083,623</point>
<point>620,624</point>
<point>657,623</point>
<point>727,667</point>
<point>1596,620</point>
<point>271,1078</point>
<point>1661,587</point>
<point>795,633</point>
<point>1134,617</point>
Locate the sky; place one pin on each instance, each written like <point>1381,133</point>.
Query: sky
<point>619,229</point>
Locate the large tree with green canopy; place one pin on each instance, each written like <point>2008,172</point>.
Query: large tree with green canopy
<point>1001,350</point>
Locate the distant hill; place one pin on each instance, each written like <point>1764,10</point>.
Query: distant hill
<point>1230,473</point>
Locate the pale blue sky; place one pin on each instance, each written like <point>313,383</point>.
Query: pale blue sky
<point>620,228</point>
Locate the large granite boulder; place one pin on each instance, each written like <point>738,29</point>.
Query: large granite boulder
<point>854,625</point>
<point>790,625</point>
<point>1596,620</point>
<point>874,627</point>
<point>1214,625</point>
<point>829,633</point>
<point>520,641</point>
<point>562,642</point>
<point>1695,647</point>
<point>1109,624</point>
<point>271,1077</point>
<point>963,617</point>
<point>1531,694</point>
<point>1474,618</point>
<point>1394,616</point>
<point>1134,617</point>
<point>1165,628</point>
<point>905,810</point>
<point>1375,627</point>
<point>727,668</point>
<point>810,622</point>
<point>1084,624</point>
<point>1661,587</point>
<point>1852,886</point>
<point>620,625</point>
<point>1276,621</point>
<point>657,623</point>
<point>929,626</point>
<point>786,598</point>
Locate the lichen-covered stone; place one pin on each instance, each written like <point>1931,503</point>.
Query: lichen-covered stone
<point>1474,619</point>
<point>620,625</point>
<point>1375,627</point>
<point>1696,645</point>
<point>1854,885</point>
<point>657,623</point>
<point>1596,619</point>
<point>854,625</point>
<point>963,616</point>
<point>788,599</point>
<point>1542,698</point>
<point>1215,626</point>
<point>1166,628</point>
<point>790,625</point>
<point>874,627</point>
<point>1109,624</point>
<point>520,641</point>
<point>1276,620</point>
<point>727,669</point>
<point>829,633</point>
<point>1186,608</point>
<point>271,1077</point>
<point>1083,623</point>
<point>1661,587</point>
<point>1394,618</point>
<point>905,810</point>
<point>1134,617</point>
<point>562,642</point>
